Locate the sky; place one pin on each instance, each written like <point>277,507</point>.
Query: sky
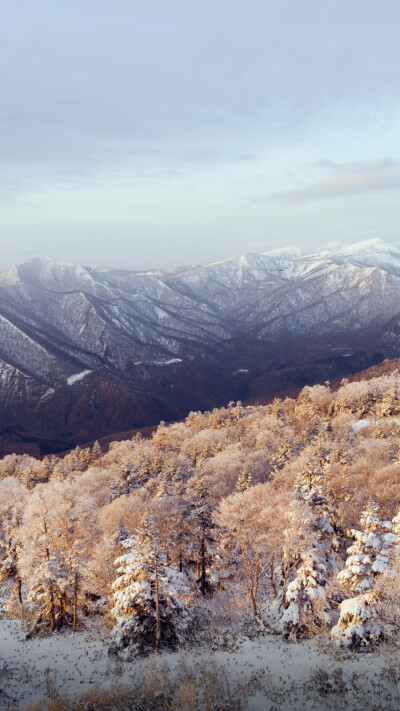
<point>151,133</point>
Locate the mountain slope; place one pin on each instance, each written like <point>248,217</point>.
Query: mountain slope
<point>86,352</point>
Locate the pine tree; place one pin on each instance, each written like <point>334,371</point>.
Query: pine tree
<point>148,596</point>
<point>200,517</point>
<point>368,554</point>
<point>171,477</point>
<point>305,602</point>
<point>358,625</point>
<point>143,465</point>
<point>96,452</point>
<point>369,557</point>
<point>281,456</point>
<point>128,478</point>
<point>306,596</point>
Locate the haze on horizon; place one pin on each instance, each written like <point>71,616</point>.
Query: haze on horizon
<point>144,135</point>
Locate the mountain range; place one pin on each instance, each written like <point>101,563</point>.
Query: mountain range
<point>90,352</point>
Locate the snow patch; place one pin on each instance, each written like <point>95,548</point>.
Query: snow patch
<point>158,362</point>
<point>77,377</point>
<point>357,426</point>
<point>68,663</point>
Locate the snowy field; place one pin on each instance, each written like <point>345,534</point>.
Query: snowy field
<point>271,673</point>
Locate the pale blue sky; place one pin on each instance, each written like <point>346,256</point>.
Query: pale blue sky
<point>149,133</point>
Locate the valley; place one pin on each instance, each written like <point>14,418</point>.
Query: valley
<point>86,353</point>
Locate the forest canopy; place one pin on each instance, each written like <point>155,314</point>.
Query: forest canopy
<point>279,517</point>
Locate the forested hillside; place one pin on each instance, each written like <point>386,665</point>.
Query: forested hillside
<point>238,520</point>
<point>93,352</point>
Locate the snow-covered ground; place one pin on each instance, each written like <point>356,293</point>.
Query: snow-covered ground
<point>274,674</point>
<point>77,377</point>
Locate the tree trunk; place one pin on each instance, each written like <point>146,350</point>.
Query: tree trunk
<point>51,613</point>
<point>272,580</point>
<point>61,609</point>
<point>75,605</point>
<point>254,606</point>
<point>254,573</point>
<point>158,617</point>
<point>203,568</point>
<point>286,569</point>
<point>19,590</point>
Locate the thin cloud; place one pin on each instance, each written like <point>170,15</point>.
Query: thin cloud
<point>344,181</point>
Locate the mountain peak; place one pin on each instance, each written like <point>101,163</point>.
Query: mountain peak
<point>370,246</point>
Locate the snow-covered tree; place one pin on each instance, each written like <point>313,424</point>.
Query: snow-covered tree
<point>13,497</point>
<point>369,554</point>
<point>148,596</point>
<point>251,532</point>
<point>306,596</point>
<point>358,625</point>
<point>369,557</point>
<point>309,563</point>
<point>281,456</point>
<point>96,452</point>
<point>391,402</point>
<point>55,539</point>
<point>78,460</point>
<point>9,554</point>
<point>200,521</point>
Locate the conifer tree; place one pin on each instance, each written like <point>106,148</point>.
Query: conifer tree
<point>281,456</point>
<point>369,553</point>
<point>96,452</point>
<point>148,596</point>
<point>200,517</point>
<point>369,557</point>
<point>305,600</point>
<point>129,477</point>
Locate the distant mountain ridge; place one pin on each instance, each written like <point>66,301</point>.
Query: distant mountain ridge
<point>87,352</point>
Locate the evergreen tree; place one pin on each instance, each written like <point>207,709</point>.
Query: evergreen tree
<point>369,553</point>
<point>148,596</point>
<point>369,557</point>
<point>281,456</point>
<point>200,518</point>
<point>358,625</point>
<point>96,452</point>
<point>305,600</point>
<point>306,596</point>
<point>129,477</point>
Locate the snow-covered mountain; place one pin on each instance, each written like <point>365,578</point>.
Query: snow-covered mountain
<point>87,352</point>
